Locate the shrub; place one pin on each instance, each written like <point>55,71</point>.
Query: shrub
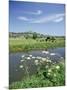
<point>34,35</point>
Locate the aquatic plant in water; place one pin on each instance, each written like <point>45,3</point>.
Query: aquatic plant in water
<point>23,56</point>
<point>28,58</point>
<point>33,57</point>
<point>30,55</point>
<point>45,52</point>
<point>52,54</point>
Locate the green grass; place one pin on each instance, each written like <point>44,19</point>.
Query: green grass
<point>43,79</point>
<point>22,44</point>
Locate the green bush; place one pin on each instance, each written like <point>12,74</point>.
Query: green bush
<point>52,76</point>
<point>34,35</point>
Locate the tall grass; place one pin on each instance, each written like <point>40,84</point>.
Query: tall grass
<point>22,44</point>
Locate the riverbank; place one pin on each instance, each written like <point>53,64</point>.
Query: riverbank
<point>53,75</point>
<point>19,44</point>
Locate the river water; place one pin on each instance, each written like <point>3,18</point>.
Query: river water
<point>16,73</point>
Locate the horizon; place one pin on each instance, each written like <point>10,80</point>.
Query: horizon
<point>44,18</point>
<point>39,33</point>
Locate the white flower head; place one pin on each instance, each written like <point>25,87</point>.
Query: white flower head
<point>45,52</point>
<point>43,59</point>
<point>48,61</point>
<point>22,60</point>
<point>36,62</point>
<point>28,58</point>
<point>38,57</point>
<point>21,66</point>
<point>52,54</point>
<point>33,57</point>
<point>48,73</point>
<point>30,55</point>
<point>49,70</point>
<point>57,67</point>
<point>54,75</point>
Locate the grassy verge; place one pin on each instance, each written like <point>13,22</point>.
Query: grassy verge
<point>20,44</point>
<point>53,75</point>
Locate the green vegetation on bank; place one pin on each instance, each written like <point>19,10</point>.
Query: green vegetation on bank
<point>53,75</point>
<point>24,44</point>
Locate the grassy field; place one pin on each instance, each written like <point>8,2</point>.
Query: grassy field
<point>53,75</point>
<point>22,44</point>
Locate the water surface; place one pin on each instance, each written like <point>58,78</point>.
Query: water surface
<point>16,73</point>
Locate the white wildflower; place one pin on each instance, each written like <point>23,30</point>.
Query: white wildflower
<point>48,73</point>
<point>30,55</point>
<point>33,57</point>
<point>46,52</point>
<point>38,57</point>
<point>43,59</point>
<point>48,61</point>
<point>52,54</point>
<point>36,62</point>
<point>57,67</point>
<point>22,60</point>
<point>54,75</point>
<point>28,58</point>
<point>49,70</point>
<point>21,66</point>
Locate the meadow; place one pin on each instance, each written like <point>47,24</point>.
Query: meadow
<point>22,44</point>
<point>49,73</point>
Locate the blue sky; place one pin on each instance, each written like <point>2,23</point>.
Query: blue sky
<point>45,18</point>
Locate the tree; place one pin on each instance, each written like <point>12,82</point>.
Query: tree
<point>34,35</point>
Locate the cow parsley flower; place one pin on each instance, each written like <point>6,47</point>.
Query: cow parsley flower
<point>36,62</point>
<point>57,67</point>
<point>21,66</point>
<point>28,58</point>
<point>22,60</point>
<point>30,55</point>
<point>49,70</point>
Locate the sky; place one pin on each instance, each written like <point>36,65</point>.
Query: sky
<point>44,18</point>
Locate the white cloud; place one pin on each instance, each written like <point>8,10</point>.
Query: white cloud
<point>58,20</point>
<point>50,18</point>
<point>23,18</point>
<point>38,12</point>
<point>45,19</point>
